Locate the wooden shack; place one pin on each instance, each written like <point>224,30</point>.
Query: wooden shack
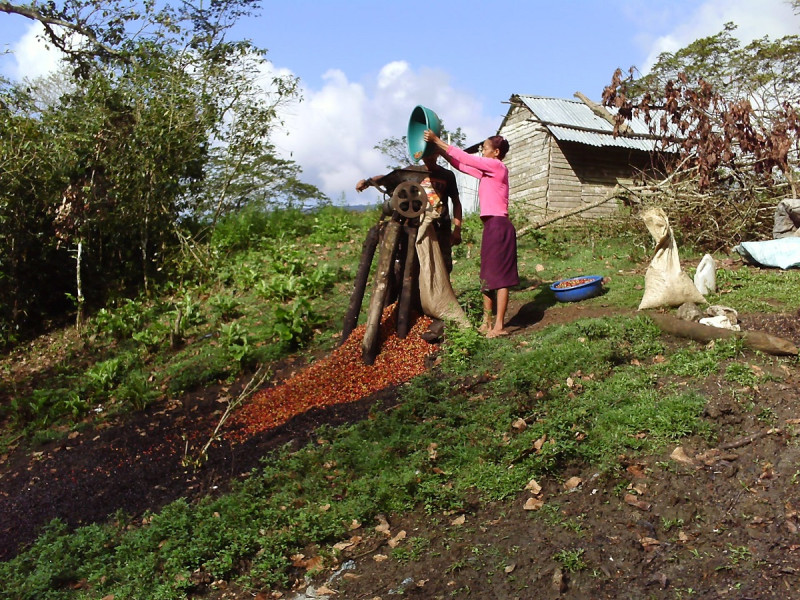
<point>564,155</point>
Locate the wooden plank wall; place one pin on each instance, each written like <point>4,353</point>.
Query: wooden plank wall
<point>565,185</point>
<point>599,170</point>
<point>528,161</point>
<point>546,176</point>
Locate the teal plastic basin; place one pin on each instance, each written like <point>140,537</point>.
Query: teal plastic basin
<point>422,118</point>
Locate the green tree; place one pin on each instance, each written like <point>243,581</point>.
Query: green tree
<point>731,110</point>
<point>728,115</point>
<point>160,124</point>
<point>31,173</point>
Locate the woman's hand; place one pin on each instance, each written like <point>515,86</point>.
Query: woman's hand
<point>431,137</point>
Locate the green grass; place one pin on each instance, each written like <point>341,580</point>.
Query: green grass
<point>382,465</point>
<point>751,289</point>
<point>591,388</point>
<point>571,560</point>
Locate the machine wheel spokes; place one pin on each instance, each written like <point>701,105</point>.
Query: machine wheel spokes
<point>409,199</point>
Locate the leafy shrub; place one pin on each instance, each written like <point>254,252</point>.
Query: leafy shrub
<point>461,345</point>
<point>152,337</point>
<point>238,230</point>
<point>234,338</point>
<point>283,286</point>
<point>319,280</point>
<point>45,406</point>
<point>472,303</point>
<point>8,336</point>
<point>295,323</point>
<point>332,224</point>
<point>103,376</point>
<point>106,322</point>
<point>224,306</point>
<point>191,314</point>
<point>60,561</point>
<point>279,287</point>
<point>130,316</point>
<point>136,391</point>
<point>240,271</point>
<point>246,228</point>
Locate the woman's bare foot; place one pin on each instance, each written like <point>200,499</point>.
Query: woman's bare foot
<point>493,333</point>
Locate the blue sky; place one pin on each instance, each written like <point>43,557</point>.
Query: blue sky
<point>363,66</point>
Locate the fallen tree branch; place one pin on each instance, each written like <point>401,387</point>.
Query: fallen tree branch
<point>756,340</point>
<point>252,386</point>
<point>745,440</point>
<point>568,213</point>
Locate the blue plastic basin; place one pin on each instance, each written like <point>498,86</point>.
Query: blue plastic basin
<point>578,292</point>
<point>422,118</point>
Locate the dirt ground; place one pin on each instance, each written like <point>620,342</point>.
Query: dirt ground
<point>717,522</point>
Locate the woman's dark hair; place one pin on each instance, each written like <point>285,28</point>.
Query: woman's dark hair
<point>500,143</point>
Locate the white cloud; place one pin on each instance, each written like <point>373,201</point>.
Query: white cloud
<point>33,57</point>
<point>333,132</point>
<point>754,20</point>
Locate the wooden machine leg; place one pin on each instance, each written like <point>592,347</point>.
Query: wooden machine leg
<point>407,287</point>
<point>371,341</point>
<point>357,297</point>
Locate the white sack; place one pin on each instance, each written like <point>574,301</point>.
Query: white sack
<point>665,283</point>
<point>705,278</point>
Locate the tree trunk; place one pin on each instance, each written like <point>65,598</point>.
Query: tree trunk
<point>79,290</point>
<point>360,285</point>
<point>407,286</point>
<point>757,340</point>
<point>143,243</point>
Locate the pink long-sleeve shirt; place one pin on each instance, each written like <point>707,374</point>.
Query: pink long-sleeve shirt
<point>492,177</point>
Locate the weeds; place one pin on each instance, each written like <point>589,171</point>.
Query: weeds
<point>295,323</point>
<point>668,524</point>
<point>571,560</point>
<point>587,388</point>
<point>412,550</point>
<point>461,346</point>
<point>736,555</point>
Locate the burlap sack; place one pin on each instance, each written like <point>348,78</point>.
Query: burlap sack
<point>665,283</point>
<point>435,292</point>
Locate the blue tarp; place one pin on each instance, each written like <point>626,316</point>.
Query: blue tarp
<point>783,253</point>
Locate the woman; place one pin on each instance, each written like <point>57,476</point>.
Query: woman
<point>499,241</point>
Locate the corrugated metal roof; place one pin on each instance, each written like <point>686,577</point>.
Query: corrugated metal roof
<point>574,121</point>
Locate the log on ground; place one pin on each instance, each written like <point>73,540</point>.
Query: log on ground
<point>756,340</point>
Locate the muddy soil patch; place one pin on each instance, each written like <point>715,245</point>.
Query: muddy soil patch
<point>718,519</point>
<point>725,526</point>
<point>137,464</point>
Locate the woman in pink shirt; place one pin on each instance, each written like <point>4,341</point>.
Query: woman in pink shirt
<point>499,242</point>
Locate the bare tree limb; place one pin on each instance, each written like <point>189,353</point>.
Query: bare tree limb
<point>59,41</point>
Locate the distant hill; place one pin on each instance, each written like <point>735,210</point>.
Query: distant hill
<point>360,207</point>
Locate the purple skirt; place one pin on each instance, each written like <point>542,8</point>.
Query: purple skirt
<point>498,254</point>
